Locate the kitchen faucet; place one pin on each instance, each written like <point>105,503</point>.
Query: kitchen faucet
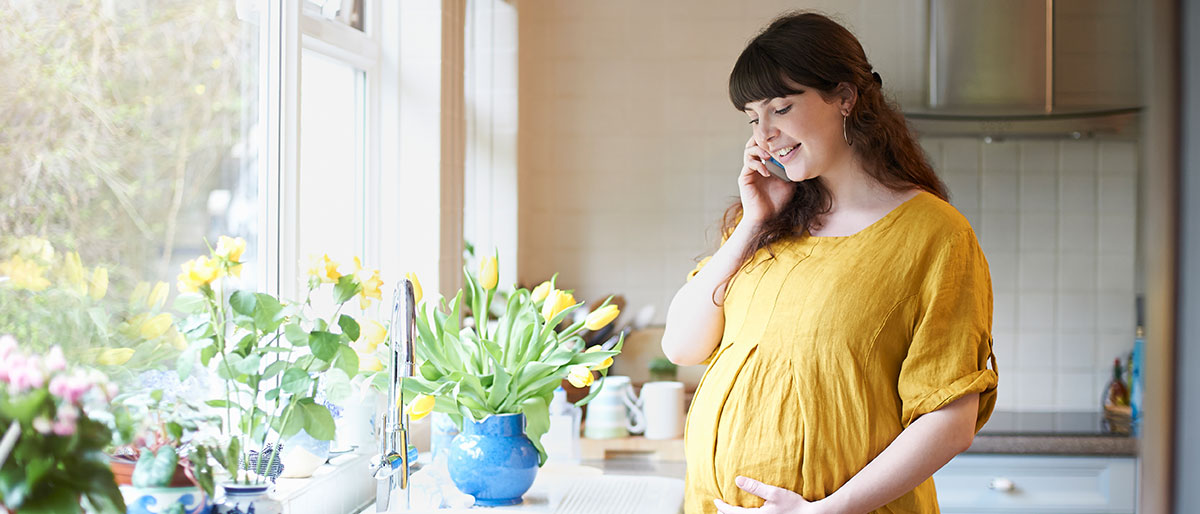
<point>391,467</point>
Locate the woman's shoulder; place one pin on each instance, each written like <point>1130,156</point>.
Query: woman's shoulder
<point>934,218</point>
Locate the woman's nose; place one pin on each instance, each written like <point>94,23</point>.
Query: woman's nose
<point>764,131</point>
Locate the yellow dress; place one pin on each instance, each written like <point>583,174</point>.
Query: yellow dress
<point>833,347</point>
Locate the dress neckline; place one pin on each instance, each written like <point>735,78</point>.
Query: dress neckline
<point>874,226</point>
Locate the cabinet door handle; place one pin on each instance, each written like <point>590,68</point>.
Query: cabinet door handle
<point>1003,485</point>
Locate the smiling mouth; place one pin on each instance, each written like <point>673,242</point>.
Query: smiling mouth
<point>786,151</point>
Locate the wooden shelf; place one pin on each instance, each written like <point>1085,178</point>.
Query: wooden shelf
<point>667,450</point>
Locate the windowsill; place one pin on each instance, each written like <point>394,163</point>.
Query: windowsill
<point>342,485</point>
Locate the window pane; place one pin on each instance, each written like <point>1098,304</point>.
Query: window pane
<point>128,135</point>
<point>331,159</point>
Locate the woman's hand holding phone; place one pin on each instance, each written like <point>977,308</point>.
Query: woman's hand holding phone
<point>763,193</point>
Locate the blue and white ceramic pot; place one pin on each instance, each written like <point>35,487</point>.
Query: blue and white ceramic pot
<point>153,500</point>
<point>493,460</point>
<point>246,499</point>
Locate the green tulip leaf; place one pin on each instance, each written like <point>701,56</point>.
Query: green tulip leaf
<point>537,423</point>
<point>349,327</point>
<point>324,344</point>
<point>243,302</point>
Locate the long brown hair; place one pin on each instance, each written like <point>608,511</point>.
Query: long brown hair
<point>814,51</point>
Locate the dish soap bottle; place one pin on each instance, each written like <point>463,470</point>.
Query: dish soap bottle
<point>1118,392</point>
<point>561,440</point>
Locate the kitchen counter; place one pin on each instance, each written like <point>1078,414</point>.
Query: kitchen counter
<point>1052,433</point>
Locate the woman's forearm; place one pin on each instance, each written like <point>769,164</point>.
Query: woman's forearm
<point>694,323</point>
<point>920,450</point>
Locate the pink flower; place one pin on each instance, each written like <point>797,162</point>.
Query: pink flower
<point>70,387</point>
<point>42,424</point>
<point>64,422</point>
<point>27,374</point>
<point>55,361</point>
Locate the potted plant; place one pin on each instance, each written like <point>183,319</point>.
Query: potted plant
<point>662,370</point>
<point>496,380</point>
<point>272,358</point>
<point>52,449</point>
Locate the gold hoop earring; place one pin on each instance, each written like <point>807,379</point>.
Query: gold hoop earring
<point>844,135</point>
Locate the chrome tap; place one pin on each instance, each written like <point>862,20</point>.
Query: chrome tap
<point>391,467</point>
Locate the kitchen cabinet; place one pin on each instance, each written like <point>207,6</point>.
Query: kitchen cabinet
<point>976,483</point>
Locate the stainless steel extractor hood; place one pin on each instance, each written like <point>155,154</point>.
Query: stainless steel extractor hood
<point>1030,68</point>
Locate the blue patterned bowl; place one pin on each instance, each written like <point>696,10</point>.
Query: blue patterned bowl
<point>154,500</point>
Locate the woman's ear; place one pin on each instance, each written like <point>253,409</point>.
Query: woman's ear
<point>847,95</point>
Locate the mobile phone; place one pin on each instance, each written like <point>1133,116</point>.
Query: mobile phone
<point>776,169</point>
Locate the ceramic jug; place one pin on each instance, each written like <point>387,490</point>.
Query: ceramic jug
<point>615,411</point>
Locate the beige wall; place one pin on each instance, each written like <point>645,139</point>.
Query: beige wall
<point>628,153</point>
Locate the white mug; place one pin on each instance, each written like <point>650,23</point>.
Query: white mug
<point>662,403</point>
<point>614,411</point>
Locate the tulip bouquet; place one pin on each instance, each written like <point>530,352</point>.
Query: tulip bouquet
<point>48,297</point>
<point>52,450</point>
<point>273,357</point>
<point>508,367</point>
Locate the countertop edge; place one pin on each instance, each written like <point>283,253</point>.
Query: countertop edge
<point>1116,446</point>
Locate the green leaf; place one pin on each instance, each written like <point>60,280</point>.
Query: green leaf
<point>190,303</point>
<point>175,430</point>
<point>220,404</point>
<point>243,302</point>
<point>500,385</point>
<point>267,312</point>
<point>344,290</point>
<point>245,344</point>
<point>295,381</point>
<point>429,371</point>
<point>318,422</point>
<point>346,360</point>
<point>324,344</point>
<point>272,394</point>
<point>248,365</point>
<point>537,422</point>
<point>295,334</point>
<point>207,353</point>
<point>37,468</point>
<point>227,369</point>
<point>337,386</point>
<point>274,368</point>
<point>349,326</point>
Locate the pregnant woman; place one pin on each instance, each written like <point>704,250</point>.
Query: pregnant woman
<point>846,318</point>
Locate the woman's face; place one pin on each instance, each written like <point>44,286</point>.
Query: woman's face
<point>802,131</point>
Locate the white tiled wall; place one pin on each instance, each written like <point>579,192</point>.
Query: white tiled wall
<point>1057,220</point>
<point>628,152</point>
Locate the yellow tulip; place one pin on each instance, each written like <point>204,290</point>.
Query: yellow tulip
<point>99,284</point>
<point>541,291</point>
<point>24,274</point>
<point>73,272</point>
<point>420,407</point>
<point>197,273</point>
<point>372,333</point>
<point>603,365</point>
<point>158,296</point>
<point>556,303</point>
<point>156,326</point>
<point>324,269</point>
<point>488,274</point>
<point>580,376</point>
<point>416,286</point>
<point>601,317</point>
<point>114,356</point>
<point>230,250</point>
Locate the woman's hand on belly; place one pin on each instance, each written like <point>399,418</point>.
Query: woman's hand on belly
<point>777,500</point>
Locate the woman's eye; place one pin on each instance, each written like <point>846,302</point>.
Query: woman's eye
<point>783,110</point>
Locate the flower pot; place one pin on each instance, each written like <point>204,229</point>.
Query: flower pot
<point>244,499</point>
<point>493,460</point>
<point>152,500</point>
<point>122,468</point>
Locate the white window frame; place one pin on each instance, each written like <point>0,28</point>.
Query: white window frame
<point>290,28</point>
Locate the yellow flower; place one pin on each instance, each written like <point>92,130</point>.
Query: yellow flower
<point>372,333</point>
<point>99,283</point>
<point>24,274</point>
<point>73,272</point>
<point>416,286</point>
<point>556,303</point>
<point>114,356</point>
<point>603,365</point>
<point>370,284</point>
<point>488,274</point>
<point>158,296</point>
<point>177,340</point>
<point>155,327</point>
<point>33,248</point>
<point>138,297</point>
<point>580,376</point>
<point>541,291</point>
<point>197,273</point>
<point>324,269</point>
<point>230,251</point>
<point>601,317</point>
<point>420,407</point>
<point>369,363</point>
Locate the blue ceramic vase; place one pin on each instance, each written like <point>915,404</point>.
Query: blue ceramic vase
<point>155,500</point>
<point>493,460</point>
<point>246,499</point>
